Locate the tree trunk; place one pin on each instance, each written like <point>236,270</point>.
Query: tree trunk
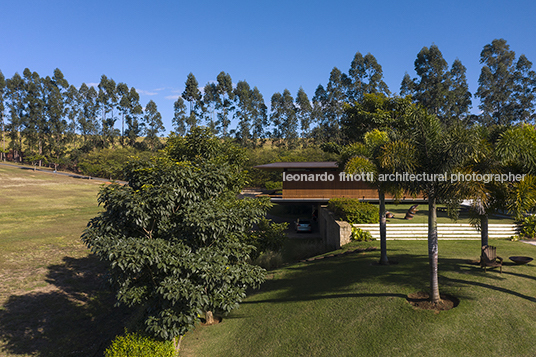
<point>433,248</point>
<point>209,318</point>
<point>484,229</point>
<point>383,229</point>
<point>177,345</point>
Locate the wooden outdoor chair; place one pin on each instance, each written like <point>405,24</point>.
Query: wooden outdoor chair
<point>489,258</point>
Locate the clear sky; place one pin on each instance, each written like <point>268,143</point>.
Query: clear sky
<point>153,45</point>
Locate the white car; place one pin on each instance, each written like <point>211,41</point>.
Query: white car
<point>303,225</point>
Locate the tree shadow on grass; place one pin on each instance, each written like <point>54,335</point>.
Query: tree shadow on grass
<point>74,316</point>
<point>342,277</point>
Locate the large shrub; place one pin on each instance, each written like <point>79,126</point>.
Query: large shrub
<point>109,163</point>
<point>354,211</point>
<point>528,227</point>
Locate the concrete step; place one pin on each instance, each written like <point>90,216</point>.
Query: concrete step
<point>452,231</point>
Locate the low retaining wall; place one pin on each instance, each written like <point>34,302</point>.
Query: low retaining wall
<point>334,233</point>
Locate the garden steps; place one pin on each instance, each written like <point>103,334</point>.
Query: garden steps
<point>446,231</point>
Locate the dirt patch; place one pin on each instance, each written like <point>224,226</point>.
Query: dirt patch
<point>421,300</point>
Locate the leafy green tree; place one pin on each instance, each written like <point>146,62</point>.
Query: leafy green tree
<point>442,92</point>
<point>375,111</point>
<point>175,235</point>
<point>365,76</point>
<point>153,125</point>
<point>516,147</point>
<point>506,87</point>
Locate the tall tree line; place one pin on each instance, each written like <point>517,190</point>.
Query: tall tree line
<point>45,118</point>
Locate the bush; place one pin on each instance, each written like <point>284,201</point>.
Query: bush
<point>354,211</point>
<point>137,345</point>
<point>273,185</point>
<point>109,163</point>
<point>528,227</point>
<point>360,235</point>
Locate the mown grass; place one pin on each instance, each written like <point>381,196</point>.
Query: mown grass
<point>349,306</point>
<point>53,301</point>
<point>399,210</point>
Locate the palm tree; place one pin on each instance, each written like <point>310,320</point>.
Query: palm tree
<point>516,148</point>
<point>373,155</point>
<point>440,150</point>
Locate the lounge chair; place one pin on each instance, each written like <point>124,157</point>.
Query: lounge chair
<point>489,258</point>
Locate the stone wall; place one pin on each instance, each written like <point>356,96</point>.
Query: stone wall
<point>334,233</point>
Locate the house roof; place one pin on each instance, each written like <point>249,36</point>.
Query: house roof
<point>299,165</point>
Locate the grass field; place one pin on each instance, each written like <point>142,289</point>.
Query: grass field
<point>348,306</point>
<point>52,300</point>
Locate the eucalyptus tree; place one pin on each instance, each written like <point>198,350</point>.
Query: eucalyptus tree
<point>506,87</point>
<point>304,113</point>
<point>107,99</point>
<point>73,103</point>
<point>192,94</point>
<point>441,91</point>
<point>123,105</point>
<point>153,125</point>
<point>135,110</point>
<point>243,113</point>
<point>88,123</point>
<point>15,98</point>
<point>2,109</point>
<point>364,76</point>
<point>180,117</point>
<point>259,118</point>
<point>55,88</point>
<point>225,102</point>
<point>36,129</point>
<point>210,101</point>
<point>283,119</point>
<point>333,107</point>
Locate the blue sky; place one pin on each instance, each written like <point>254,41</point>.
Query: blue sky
<point>153,45</point>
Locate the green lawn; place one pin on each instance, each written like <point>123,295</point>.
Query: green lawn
<point>348,306</point>
<point>422,215</point>
<point>53,300</point>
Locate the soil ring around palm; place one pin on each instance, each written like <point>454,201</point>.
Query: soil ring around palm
<point>421,300</point>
